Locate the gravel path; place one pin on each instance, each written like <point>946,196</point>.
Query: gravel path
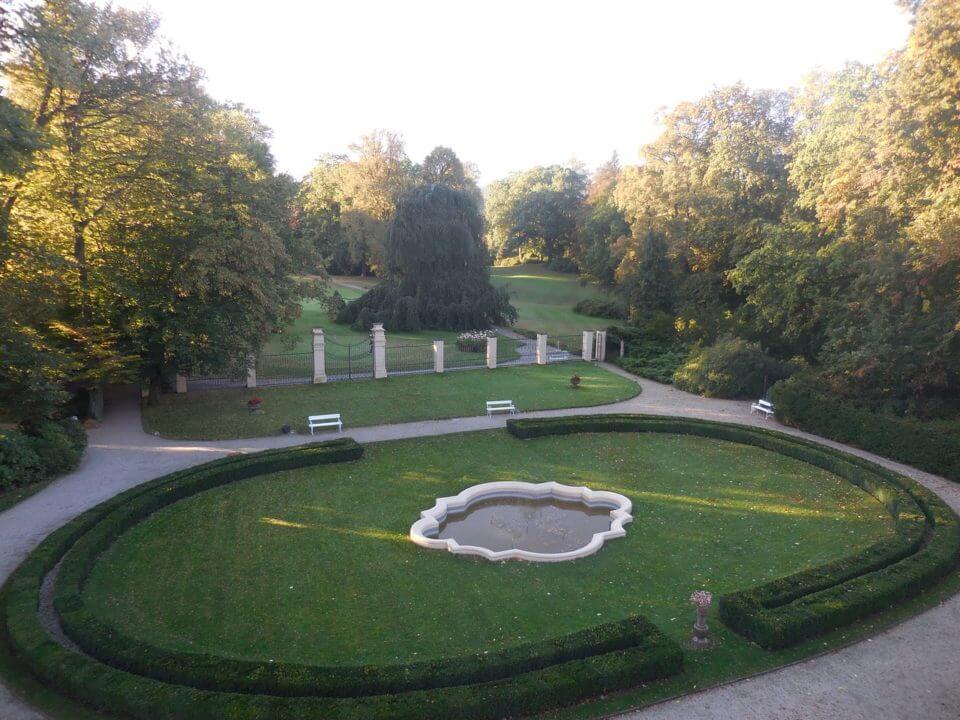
<point>908,672</point>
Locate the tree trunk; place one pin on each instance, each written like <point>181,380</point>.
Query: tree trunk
<point>95,403</point>
<point>153,396</point>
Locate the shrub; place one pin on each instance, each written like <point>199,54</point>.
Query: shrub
<point>800,402</point>
<point>49,449</point>
<point>924,548</point>
<point>59,446</point>
<point>732,368</point>
<point>335,305</point>
<point>652,359</point>
<point>563,265</point>
<point>19,463</point>
<point>597,307</point>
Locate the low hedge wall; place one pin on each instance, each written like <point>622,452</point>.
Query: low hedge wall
<point>800,404</point>
<point>519,681</point>
<point>925,545</point>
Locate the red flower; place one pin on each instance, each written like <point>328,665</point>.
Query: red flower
<point>255,401</point>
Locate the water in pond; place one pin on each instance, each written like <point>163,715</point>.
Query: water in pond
<point>546,525</point>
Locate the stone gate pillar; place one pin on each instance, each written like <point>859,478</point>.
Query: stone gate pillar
<point>601,353</point>
<point>438,356</point>
<point>181,384</point>
<point>588,343</point>
<point>319,356</point>
<point>541,349</point>
<point>252,371</point>
<point>492,352</point>
<point>379,351</point>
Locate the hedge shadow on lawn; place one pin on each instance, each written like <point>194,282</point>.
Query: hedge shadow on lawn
<point>522,680</point>
<point>923,549</point>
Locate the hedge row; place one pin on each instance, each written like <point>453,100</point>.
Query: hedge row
<point>211,672</point>
<point>799,403</point>
<point>599,307</point>
<point>924,547</point>
<point>104,687</point>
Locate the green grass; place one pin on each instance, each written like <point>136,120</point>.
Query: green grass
<point>289,566</point>
<point>545,299</point>
<point>223,414</point>
<point>298,338</point>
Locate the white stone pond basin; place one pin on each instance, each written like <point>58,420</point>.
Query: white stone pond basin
<point>537,522</point>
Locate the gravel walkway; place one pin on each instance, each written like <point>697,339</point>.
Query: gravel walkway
<point>908,672</point>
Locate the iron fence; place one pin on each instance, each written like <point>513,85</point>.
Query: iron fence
<point>348,361</point>
<point>409,358</point>
<point>564,347</point>
<point>285,369</point>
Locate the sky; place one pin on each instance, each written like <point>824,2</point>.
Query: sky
<point>507,85</point>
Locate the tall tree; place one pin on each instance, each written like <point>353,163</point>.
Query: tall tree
<point>436,269</point>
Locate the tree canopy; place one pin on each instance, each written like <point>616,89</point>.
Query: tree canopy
<point>436,272</point>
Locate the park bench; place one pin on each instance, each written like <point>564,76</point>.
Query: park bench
<point>764,407</point>
<point>501,406</point>
<point>323,421</point>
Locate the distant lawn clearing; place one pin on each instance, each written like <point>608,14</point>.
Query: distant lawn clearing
<point>314,566</point>
<point>545,299</point>
<point>223,414</point>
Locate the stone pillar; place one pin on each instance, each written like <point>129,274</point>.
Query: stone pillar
<point>319,356</point>
<point>541,349</point>
<point>379,351</point>
<point>588,343</point>
<point>492,352</point>
<point>181,384</point>
<point>601,353</point>
<point>438,356</point>
<point>252,371</point>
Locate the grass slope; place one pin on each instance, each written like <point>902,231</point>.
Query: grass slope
<point>222,414</point>
<point>290,566</point>
<point>545,299</point>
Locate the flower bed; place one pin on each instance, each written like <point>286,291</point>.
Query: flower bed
<point>474,341</point>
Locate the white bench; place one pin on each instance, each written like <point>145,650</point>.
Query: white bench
<point>323,421</point>
<point>764,407</point>
<point>501,406</point>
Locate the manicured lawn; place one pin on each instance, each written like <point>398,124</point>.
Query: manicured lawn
<point>314,566</point>
<point>298,338</point>
<point>545,299</point>
<point>222,414</point>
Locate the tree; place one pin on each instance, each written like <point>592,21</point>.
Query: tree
<point>148,232</point>
<point>442,166</point>
<point>436,270</point>
<point>534,211</point>
<point>710,183</point>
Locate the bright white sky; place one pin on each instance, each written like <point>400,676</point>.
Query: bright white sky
<point>507,84</point>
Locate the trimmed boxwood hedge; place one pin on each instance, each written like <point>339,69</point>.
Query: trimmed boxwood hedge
<point>524,680</point>
<point>786,611</point>
<point>800,403</point>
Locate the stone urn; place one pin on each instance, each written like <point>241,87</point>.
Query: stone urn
<point>701,600</point>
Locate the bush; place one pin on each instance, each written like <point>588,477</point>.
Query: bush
<point>732,368</point>
<point>59,445</point>
<point>652,359</point>
<point>602,308</point>
<point>563,265</point>
<point>800,402</point>
<point>49,449</point>
<point>924,548</point>
<point>515,681</point>
<point>335,305</point>
<point>19,463</point>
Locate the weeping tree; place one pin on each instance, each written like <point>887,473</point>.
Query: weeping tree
<point>436,269</point>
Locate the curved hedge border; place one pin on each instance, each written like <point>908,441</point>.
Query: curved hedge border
<point>800,402</point>
<point>548,675</point>
<point>925,545</point>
